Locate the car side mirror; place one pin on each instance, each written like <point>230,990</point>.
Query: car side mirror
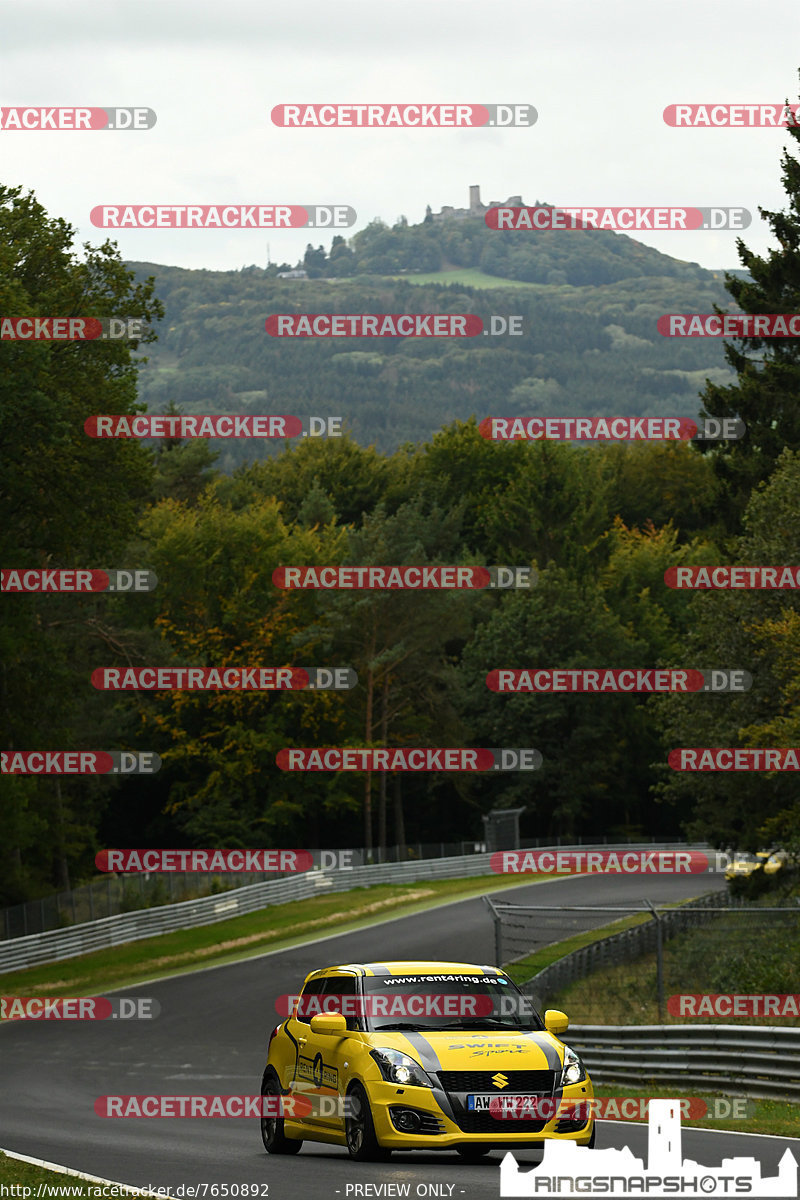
<point>555,1021</point>
<point>328,1024</point>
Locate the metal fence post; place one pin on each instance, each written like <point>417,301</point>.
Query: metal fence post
<point>659,963</point>
<point>498,931</point>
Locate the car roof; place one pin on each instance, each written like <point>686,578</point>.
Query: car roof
<point>409,967</point>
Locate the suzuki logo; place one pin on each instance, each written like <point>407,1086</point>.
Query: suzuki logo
<point>499,1080</point>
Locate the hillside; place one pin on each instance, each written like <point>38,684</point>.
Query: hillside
<point>587,348</point>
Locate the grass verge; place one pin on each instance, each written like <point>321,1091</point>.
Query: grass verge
<point>777,1118</point>
<point>22,1176</point>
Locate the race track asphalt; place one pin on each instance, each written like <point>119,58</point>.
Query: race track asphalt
<point>211,1038</point>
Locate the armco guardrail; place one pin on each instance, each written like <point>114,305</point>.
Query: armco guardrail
<point>58,944</point>
<point>748,1060</point>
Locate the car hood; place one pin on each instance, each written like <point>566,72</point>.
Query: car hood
<point>454,1050</point>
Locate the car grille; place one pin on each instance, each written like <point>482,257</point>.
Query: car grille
<point>484,1122</point>
<point>531,1083</point>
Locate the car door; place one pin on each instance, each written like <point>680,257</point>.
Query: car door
<point>297,1028</point>
<point>324,1063</point>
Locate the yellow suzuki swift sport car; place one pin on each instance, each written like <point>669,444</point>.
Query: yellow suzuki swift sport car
<point>420,1056</point>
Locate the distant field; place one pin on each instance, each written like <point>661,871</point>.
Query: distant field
<point>466,275</point>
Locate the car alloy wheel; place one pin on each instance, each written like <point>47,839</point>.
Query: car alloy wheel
<point>359,1130</point>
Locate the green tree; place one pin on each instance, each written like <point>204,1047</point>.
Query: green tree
<point>65,500</point>
<point>765,393</point>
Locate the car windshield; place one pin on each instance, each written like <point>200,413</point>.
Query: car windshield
<point>745,856</point>
<point>447,1001</point>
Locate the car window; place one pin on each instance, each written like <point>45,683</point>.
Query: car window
<point>345,986</point>
<point>312,988</point>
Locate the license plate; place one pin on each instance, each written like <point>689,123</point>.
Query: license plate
<point>516,1103</point>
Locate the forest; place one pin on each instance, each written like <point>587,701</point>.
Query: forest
<point>411,482</point>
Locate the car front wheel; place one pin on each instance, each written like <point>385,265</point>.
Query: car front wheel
<point>359,1129</point>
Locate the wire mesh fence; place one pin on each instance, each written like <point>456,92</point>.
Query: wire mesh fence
<point>714,959</point>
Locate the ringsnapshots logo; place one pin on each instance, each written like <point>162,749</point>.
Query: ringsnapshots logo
<point>731,325</point>
<point>224,679</point>
<point>415,115</point>
<point>73,119</point>
<point>619,219</point>
<point>413,578</point>
<point>609,682</point>
<point>730,116</point>
<point>613,429</point>
<point>223,216</point>
<point>72,329</point>
<point>79,1008</point>
<point>210,425</point>
<point>435,325</point>
<point>568,1168</point>
<point>79,762</point>
<point>425,758</point>
<point>726,577</point>
<point>76,580</point>
<point>728,758</point>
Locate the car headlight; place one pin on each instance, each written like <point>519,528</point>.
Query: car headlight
<point>399,1068</point>
<point>574,1070</point>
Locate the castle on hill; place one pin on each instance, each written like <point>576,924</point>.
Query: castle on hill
<point>476,208</point>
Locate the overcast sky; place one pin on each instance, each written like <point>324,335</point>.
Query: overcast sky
<point>599,72</point>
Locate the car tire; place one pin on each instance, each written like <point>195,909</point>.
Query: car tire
<point>359,1129</point>
<point>473,1153</point>
<point>272,1135</point>
<point>591,1141</point>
